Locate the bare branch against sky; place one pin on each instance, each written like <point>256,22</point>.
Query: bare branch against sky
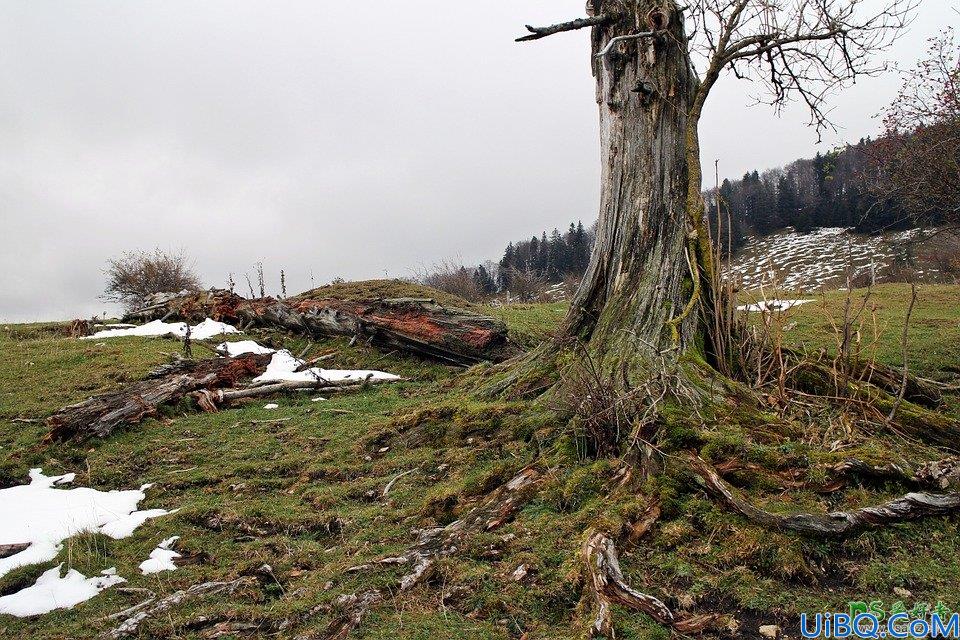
<point>251,131</point>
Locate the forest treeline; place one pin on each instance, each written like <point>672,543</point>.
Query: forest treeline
<point>832,189</point>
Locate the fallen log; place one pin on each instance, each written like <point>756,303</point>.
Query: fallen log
<point>99,415</point>
<point>417,326</point>
<point>210,400</point>
<point>911,506</point>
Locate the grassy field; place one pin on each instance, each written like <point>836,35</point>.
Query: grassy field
<point>299,488</point>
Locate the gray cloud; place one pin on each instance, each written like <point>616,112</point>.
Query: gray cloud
<point>338,139</point>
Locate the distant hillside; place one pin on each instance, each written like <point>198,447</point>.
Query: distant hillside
<point>824,257</point>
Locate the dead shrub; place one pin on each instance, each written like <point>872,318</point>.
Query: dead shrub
<point>136,275</point>
<point>602,415</point>
<point>454,278</point>
<point>527,285</point>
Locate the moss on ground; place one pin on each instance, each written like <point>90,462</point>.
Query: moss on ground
<point>385,288</point>
<point>300,488</point>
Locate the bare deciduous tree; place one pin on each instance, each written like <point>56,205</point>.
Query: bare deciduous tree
<point>136,275</point>
<point>452,277</point>
<point>917,160</point>
<point>656,63</point>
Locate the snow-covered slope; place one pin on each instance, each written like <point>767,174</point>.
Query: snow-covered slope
<point>820,258</point>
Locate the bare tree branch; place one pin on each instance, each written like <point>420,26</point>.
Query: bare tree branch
<point>580,23</point>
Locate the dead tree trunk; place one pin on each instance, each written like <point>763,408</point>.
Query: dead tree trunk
<point>641,293</point>
<point>100,415</point>
<point>411,325</point>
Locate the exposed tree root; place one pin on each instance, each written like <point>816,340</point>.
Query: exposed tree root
<point>141,612</point>
<point>938,474</point>
<point>352,608</point>
<point>493,511</point>
<point>875,391</point>
<point>609,587</point>
<point>911,506</point>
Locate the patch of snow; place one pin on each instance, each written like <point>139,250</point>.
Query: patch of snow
<point>823,257</point>
<point>271,405</point>
<point>283,367</point>
<point>51,591</point>
<point>241,347</point>
<point>44,516</point>
<point>210,328</point>
<point>206,329</point>
<point>125,526</point>
<point>161,558</point>
<point>772,305</point>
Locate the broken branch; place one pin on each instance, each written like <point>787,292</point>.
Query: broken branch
<point>542,32</point>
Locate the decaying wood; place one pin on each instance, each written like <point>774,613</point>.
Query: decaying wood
<point>131,625</point>
<point>911,506</point>
<point>320,385</point>
<point>79,328</point>
<point>876,388</point>
<point>496,509</point>
<point>920,391</point>
<point>100,415</point>
<point>608,587</point>
<point>889,472</point>
<point>410,325</point>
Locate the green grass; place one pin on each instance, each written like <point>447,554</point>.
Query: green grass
<point>291,488</point>
<point>934,336</point>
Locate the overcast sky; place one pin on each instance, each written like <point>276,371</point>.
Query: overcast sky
<point>338,139</point>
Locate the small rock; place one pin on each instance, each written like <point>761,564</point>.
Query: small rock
<point>327,586</point>
<point>771,631</point>
<point>901,592</point>
<point>271,405</point>
<point>520,573</point>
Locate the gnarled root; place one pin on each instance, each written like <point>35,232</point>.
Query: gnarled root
<point>432,544</point>
<point>131,625</point>
<point>352,607</point>
<point>609,587</point>
<point>911,506</point>
<point>937,474</point>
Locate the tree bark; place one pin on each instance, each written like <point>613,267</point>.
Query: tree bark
<point>642,290</point>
